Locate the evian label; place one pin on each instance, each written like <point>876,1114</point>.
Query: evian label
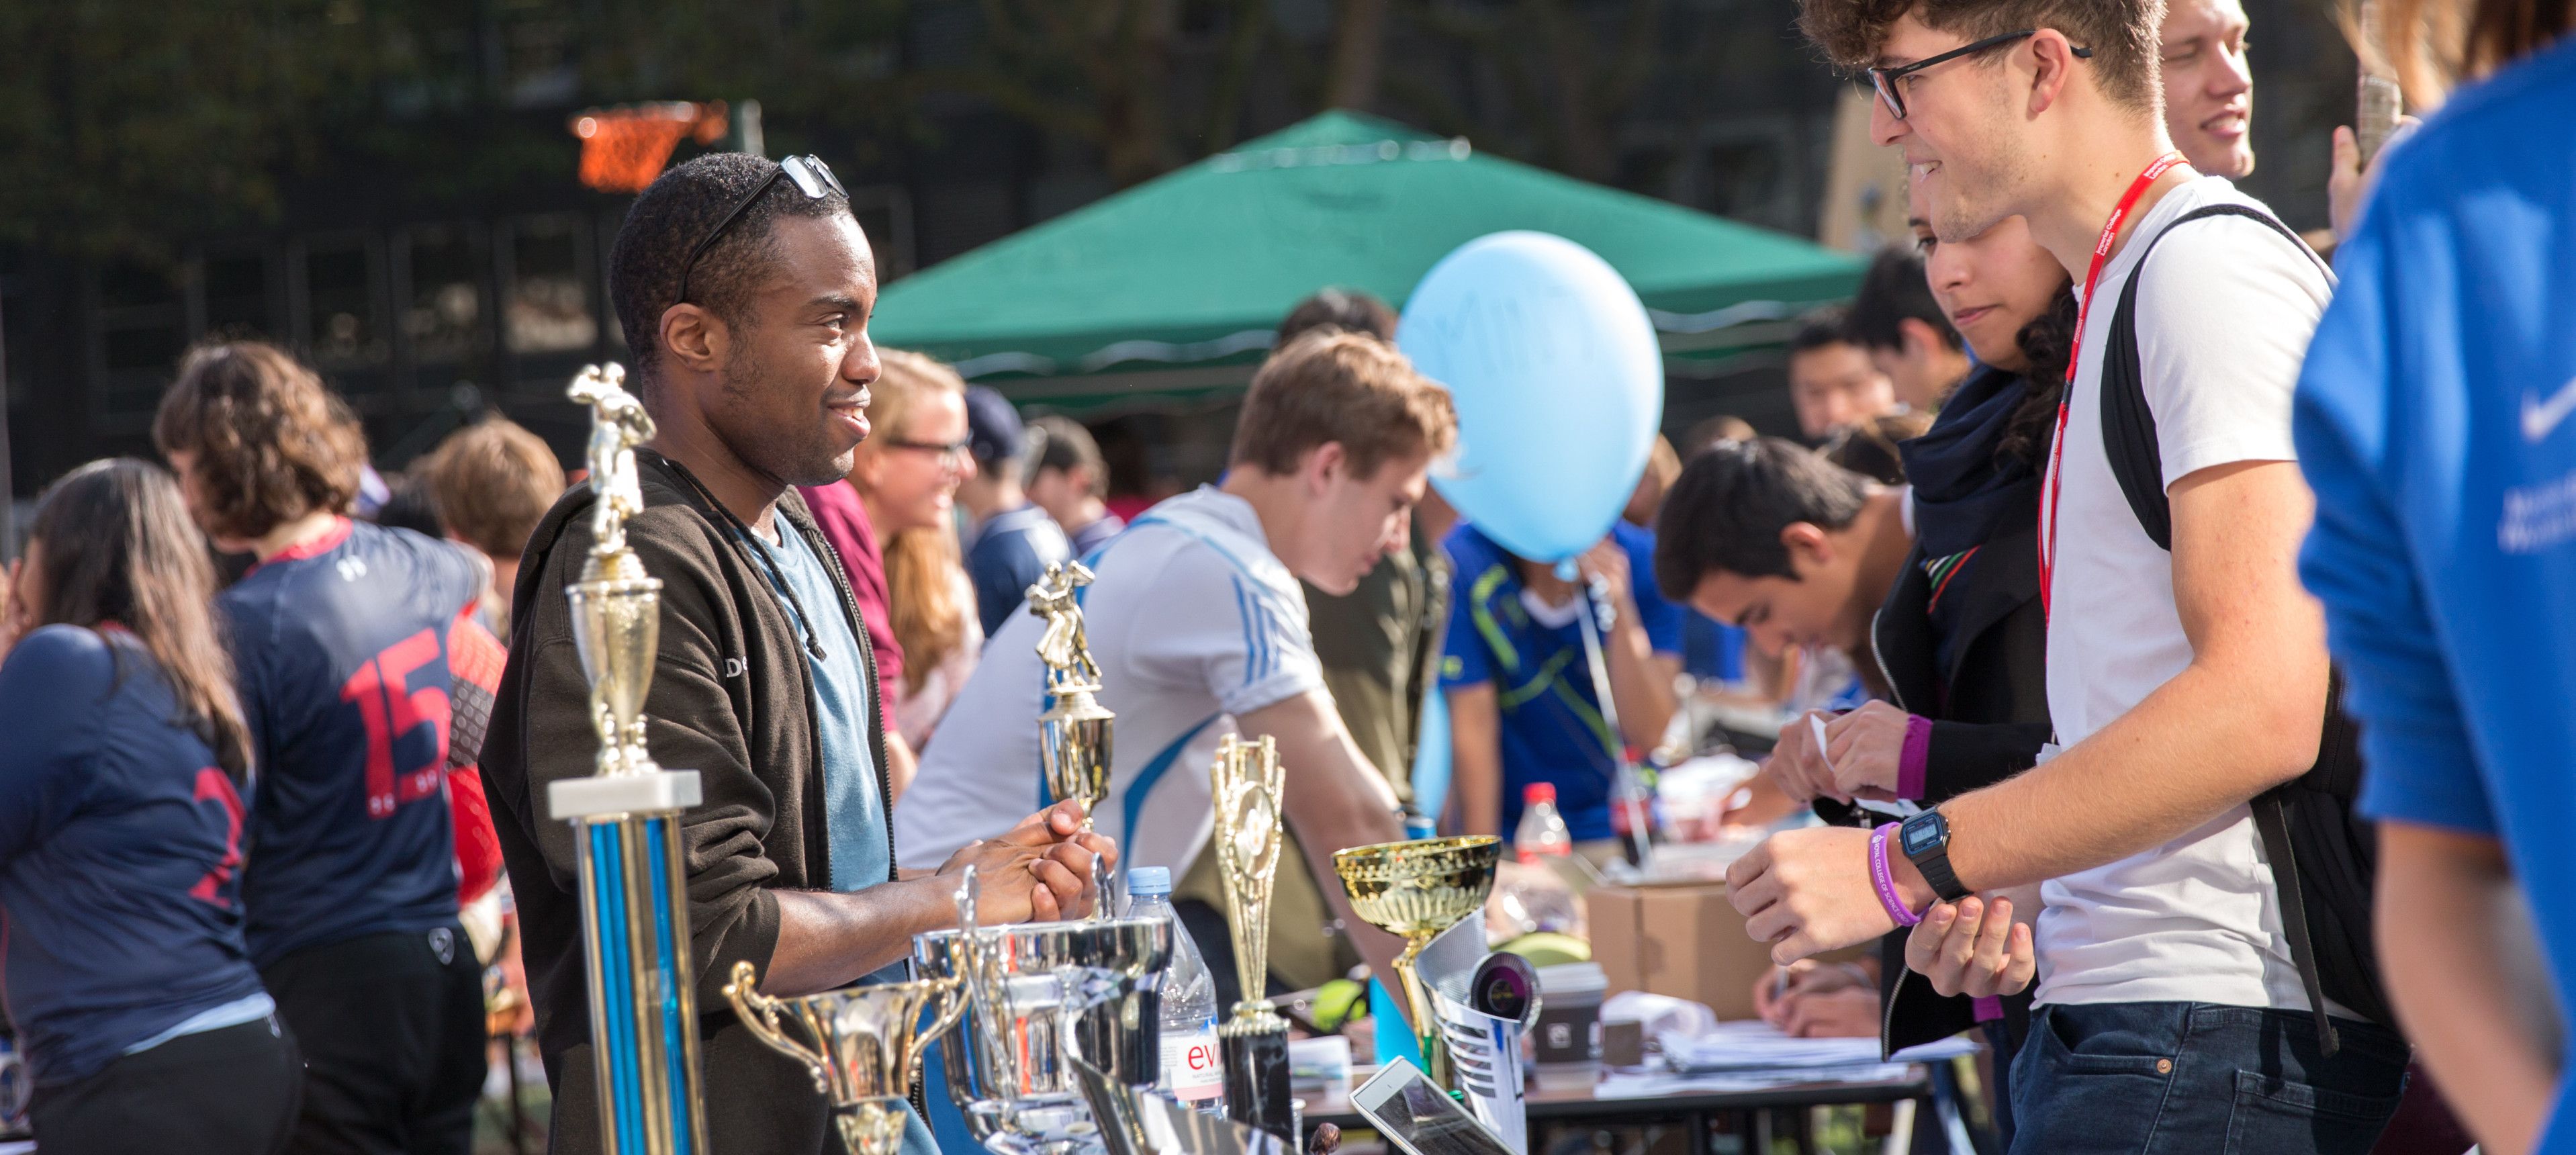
<point>1191,1066</point>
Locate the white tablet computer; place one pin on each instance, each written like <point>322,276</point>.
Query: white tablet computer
<point>1417,1116</point>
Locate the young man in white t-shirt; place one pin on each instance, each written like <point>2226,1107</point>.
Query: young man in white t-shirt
<point>1199,627</point>
<point>2181,684</point>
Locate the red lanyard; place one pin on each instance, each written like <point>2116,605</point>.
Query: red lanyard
<point>2075,356</point>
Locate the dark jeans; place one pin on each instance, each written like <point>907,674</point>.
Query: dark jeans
<point>392,1031</point>
<point>2200,1079</point>
<point>230,1091</point>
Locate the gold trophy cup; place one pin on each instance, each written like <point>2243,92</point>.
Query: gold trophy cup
<point>1074,732</point>
<point>1254,1042</point>
<point>867,1042</point>
<point>1417,890</point>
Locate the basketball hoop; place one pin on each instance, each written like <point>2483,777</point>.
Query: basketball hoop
<point>624,148</point>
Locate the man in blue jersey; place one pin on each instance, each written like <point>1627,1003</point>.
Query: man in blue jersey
<point>744,288</point>
<point>2433,419</point>
<point>1522,707</point>
<point>341,636</point>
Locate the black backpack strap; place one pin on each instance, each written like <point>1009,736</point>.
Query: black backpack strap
<point>2272,823</point>
<point>2128,423</point>
<point>2137,461</point>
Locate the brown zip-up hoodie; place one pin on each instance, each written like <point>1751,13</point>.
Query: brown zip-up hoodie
<point>731,698</point>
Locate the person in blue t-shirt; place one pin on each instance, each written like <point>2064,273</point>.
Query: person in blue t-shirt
<point>1522,709</point>
<point>2433,423</point>
<point>341,638</point>
<point>744,287</point>
<point>124,765</point>
<point>1012,540</point>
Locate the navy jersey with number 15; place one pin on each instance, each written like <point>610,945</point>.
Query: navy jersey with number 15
<point>342,649</point>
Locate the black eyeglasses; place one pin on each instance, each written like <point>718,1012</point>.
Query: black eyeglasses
<point>1884,79</point>
<point>812,177</point>
<point>944,450</point>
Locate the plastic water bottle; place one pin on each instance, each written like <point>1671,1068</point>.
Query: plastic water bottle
<point>1193,1070</point>
<point>1542,832</point>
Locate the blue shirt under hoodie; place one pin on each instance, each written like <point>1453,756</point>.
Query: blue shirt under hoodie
<point>2434,421</point>
<point>120,856</point>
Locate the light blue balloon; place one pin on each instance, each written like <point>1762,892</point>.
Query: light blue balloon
<point>1558,381</point>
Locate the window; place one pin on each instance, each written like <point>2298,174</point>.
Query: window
<point>548,308</point>
<point>339,306</point>
<point>236,300</point>
<point>442,291</point>
<point>142,328</point>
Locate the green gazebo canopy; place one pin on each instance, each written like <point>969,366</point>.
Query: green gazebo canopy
<point>1174,285</point>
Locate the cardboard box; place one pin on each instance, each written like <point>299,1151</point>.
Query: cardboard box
<point>1680,939</point>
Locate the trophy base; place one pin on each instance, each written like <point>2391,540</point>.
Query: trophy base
<point>872,1126</point>
<point>606,796</point>
<point>1256,1077</point>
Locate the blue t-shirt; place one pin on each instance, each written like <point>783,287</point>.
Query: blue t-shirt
<point>120,856</point>
<point>1712,651</point>
<point>2433,421</point>
<point>1009,553</point>
<point>340,646</point>
<point>855,822</point>
<point>855,825</point>
<point>1552,728</point>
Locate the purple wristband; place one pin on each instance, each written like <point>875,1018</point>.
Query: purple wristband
<point>1989,1009</point>
<point>1917,752</point>
<point>1885,880</point>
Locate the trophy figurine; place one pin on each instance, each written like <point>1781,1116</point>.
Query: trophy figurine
<point>1417,890</point>
<point>1254,1041</point>
<point>625,817</point>
<point>867,1043</point>
<point>1073,734</point>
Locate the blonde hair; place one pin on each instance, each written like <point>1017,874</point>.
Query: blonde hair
<point>906,379</point>
<point>493,481</point>
<point>927,588</point>
<point>925,580</point>
<point>2431,46</point>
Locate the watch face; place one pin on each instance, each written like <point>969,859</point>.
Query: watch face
<point>1925,832</point>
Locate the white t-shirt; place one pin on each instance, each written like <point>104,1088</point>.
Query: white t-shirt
<point>1194,622</point>
<point>2223,320</point>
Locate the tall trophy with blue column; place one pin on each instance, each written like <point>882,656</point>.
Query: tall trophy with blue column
<point>626,815</point>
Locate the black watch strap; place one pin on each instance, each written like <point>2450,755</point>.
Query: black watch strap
<point>1935,865</point>
<point>1933,860</point>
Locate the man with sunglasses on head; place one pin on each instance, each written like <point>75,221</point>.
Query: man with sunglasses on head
<point>2182,681</point>
<point>744,288</point>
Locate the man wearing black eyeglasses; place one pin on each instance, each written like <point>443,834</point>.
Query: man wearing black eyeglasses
<point>744,289</point>
<point>2186,668</point>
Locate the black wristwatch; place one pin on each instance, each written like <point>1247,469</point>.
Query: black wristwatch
<point>1925,838</point>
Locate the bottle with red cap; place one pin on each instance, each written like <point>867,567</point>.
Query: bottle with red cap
<point>1542,832</point>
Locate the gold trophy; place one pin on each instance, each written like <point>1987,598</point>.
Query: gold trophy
<point>1074,732</point>
<point>1417,890</point>
<point>1254,1041</point>
<point>868,1042</point>
<point>625,817</point>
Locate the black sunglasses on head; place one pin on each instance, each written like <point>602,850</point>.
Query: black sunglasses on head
<point>1884,79</point>
<point>812,177</point>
